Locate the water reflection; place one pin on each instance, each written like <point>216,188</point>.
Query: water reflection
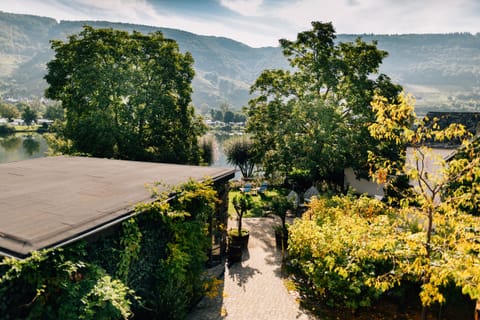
<point>21,146</point>
<point>10,142</point>
<point>31,145</point>
<point>219,159</point>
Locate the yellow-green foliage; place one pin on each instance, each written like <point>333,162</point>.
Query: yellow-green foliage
<point>344,247</point>
<point>353,250</point>
<point>445,249</point>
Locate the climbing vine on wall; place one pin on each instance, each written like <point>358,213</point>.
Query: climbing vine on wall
<point>149,267</point>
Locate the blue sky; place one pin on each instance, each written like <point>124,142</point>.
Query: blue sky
<point>262,22</point>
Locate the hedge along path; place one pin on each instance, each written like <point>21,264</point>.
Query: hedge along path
<point>254,288</point>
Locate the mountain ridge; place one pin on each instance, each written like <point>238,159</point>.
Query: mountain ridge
<point>442,70</point>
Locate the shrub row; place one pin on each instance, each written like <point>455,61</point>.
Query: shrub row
<point>349,252</point>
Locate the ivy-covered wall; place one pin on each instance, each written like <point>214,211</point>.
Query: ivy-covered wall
<point>149,268</point>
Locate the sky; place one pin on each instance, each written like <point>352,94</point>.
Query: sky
<point>260,23</point>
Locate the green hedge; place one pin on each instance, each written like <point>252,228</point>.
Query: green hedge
<point>149,269</point>
<point>4,129</point>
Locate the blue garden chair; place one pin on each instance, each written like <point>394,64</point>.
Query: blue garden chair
<point>263,187</point>
<point>246,189</point>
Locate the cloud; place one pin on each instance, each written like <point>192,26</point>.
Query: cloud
<point>263,22</point>
<point>384,16</point>
<point>246,8</point>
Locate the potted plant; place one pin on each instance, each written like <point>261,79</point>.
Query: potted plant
<point>280,206</point>
<point>240,236</point>
<point>241,152</point>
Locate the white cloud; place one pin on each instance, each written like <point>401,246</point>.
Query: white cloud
<point>263,22</point>
<point>248,8</point>
<point>383,16</point>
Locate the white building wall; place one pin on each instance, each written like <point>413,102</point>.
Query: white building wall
<point>363,186</point>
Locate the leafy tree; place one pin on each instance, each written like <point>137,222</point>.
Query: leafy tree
<point>216,115</point>
<point>241,152</point>
<point>29,115</point>
<point>354,250</point>
<point>468,186</point>
<point>239,117</point>
<point>241,204</point>
<point>315,116</point>
<point>9,111</point>
<point>445,251</point>
<point>126,96</point>
<point>54,112</point>
<point>228,116</point>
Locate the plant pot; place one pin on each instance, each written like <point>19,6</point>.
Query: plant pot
<point>281,239</point>
<point>234,254</point>
<point>239,240</point>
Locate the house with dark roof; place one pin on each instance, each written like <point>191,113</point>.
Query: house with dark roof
<point>444,150</point>
<point>53,201</point>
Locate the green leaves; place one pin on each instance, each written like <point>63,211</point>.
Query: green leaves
<point>126,96</point>
<point>315,116</point>
<point>153,265</point>
<point>341,246</point>
<point>241,152</point>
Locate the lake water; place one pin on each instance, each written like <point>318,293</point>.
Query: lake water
<point>22,146</point>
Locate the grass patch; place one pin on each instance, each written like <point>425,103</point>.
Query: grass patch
<point>260,203</point>
<point>33,128</point>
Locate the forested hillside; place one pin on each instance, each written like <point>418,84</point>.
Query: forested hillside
<point>441,70</point>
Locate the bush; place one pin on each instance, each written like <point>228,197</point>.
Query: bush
<point>341,247</point>
<point>57,284</point>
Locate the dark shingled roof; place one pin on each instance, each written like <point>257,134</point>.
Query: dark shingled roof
<point>469,119</point>
<point>52,201</point>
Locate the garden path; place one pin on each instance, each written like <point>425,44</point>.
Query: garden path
<point>253,289</point>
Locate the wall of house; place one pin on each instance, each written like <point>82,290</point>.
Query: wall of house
<point>362,186</point>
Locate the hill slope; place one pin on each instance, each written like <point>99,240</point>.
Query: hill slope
<point>442,70</point>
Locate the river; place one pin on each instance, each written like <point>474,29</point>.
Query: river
<point>22,146</point>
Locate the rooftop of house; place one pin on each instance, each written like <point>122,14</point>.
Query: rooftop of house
<point>470,120</point>
<point>52,201</point>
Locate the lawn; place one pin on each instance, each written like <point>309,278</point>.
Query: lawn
<point>32,128</point>
<point>260,202</point>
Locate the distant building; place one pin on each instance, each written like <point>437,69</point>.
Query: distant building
<point>17,122</point>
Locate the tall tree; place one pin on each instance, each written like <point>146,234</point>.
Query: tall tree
<point>9,111</point>
<point>126,96</point>
<point>29,115</point>
<point>54,112</point>
<point>446,252</point>
<point>315,116</point>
